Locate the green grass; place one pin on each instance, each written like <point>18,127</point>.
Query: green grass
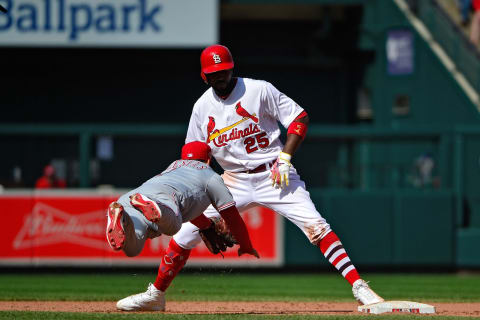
<point>239,287</point>
<point>17,315</point>
<point>224,286</point>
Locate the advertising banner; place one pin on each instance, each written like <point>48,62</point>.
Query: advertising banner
<point>109,23</point>
<point>67,228</point>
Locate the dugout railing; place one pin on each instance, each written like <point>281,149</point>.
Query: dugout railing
<point>360,158</point>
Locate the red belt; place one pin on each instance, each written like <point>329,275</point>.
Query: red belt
<point>260,168</point>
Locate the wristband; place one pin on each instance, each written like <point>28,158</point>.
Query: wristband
<point>285,157</point>
<point>297,128</point>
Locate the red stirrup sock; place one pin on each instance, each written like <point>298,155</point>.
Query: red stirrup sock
<point>334,252</point>
<point>172,262</point>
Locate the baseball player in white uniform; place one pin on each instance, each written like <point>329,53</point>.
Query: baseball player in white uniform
<point>160,205</point>
<point>238,118</point>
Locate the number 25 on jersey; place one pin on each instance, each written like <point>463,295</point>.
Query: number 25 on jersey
<point>252,143</point>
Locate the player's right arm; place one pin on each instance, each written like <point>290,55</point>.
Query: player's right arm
<point>239,230</point>
<point>222,200</point>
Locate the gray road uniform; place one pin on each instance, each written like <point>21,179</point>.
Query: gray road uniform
<point>183,191</point>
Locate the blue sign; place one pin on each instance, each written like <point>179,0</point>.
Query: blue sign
<point>400,52</point>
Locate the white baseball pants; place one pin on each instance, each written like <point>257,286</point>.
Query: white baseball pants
<point>252,189</point>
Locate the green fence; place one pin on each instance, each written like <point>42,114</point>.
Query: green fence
<point>382,228</point>
<point>370,194</point>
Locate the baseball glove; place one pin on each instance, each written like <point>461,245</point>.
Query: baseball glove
<point>217,237</point>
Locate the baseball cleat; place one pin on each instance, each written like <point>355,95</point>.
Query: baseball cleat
<point>115,232</point>
<point>363,293</point>
<point>151,300</point>
<point>148,207</point>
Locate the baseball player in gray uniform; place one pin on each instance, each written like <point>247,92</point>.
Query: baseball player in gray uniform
<point>159,206</point>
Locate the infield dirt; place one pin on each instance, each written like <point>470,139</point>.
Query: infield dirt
<point>211,307</point>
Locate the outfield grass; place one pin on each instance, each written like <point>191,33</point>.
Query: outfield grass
<point>224,286</point>
<point>239,287</point>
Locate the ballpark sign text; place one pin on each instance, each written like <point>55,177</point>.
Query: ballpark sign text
<point>145,23</point>
<point>68,228</point>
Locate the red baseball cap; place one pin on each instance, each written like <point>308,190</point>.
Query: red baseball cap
<point>215,58</point>
<point>196,150</point>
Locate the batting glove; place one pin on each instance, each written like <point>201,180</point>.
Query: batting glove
<point>281,170</point>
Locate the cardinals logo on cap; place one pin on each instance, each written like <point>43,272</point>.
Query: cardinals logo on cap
<point>217,58</point>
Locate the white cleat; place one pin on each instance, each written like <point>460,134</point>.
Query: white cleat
<point>150,300</point>
<point>363,293</point>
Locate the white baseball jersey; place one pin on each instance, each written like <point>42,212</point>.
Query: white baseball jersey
<point>242,130</point>
<point>243,133</point>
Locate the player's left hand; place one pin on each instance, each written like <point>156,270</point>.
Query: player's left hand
<point>217,237</point>
<point>281,170</point>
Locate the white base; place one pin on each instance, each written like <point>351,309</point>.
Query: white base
<point>397,306</point>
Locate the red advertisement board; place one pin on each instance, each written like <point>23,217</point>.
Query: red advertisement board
<point>68,228</point>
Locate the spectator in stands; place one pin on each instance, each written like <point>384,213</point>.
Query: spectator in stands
<point>49,179</point>
<point>475,24</point>
<point>465,6</point>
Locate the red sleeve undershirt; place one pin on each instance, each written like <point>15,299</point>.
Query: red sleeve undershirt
<point>201,222</point>
<point>237,227</point>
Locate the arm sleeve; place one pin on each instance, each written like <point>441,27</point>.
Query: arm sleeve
<point>280,106</point>
<point>219,195</point>
<point>201,222</point>
<point>194,132</point>
<point>237,228</point>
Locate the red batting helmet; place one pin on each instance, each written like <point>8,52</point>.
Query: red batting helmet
<point>215,58</point>
<point>196,150</point>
